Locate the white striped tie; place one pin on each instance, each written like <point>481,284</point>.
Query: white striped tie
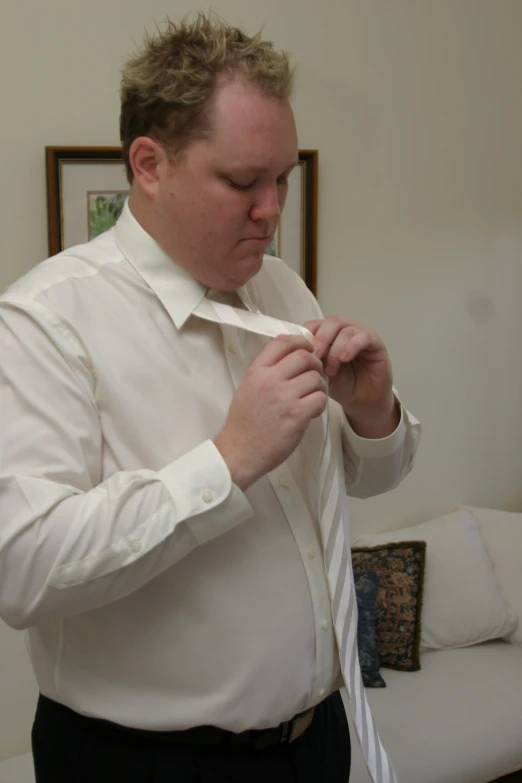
<point>338,563</point>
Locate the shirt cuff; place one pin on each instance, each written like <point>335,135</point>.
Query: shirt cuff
<point>374,447</point>
<point>200,482</point>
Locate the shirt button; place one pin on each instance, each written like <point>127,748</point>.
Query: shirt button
<point>283,482</point>
<point>322,692</point>
<point>207,495</point>
<point>232,348</point>
<point>311,553</point>
<point>325,625</point>
<point>136,546</point>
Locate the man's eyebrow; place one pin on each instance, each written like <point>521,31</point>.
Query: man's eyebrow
<point>261,169</point>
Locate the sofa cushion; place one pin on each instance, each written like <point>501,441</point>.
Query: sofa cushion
<point>456,720</point>
<point>502,536</point>
<point>366,585</point>
<point>399,598</point>
<point>462,603</point>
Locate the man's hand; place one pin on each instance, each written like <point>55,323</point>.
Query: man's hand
<point>283,389</point>
<point>358,366</point>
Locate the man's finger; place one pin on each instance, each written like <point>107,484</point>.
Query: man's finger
<point>298,362</point>
<point>338,349</point>
<point>280,347</point>
<point>313,326</point>
<point>359,342</point>
<point>324,336</point>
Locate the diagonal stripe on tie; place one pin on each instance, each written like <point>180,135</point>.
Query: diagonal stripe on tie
<point>337,559</point>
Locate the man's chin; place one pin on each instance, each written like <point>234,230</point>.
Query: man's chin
<point>245,270</point>
<point>255,262</point>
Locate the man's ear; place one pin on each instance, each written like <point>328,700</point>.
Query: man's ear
<point>147,157</point>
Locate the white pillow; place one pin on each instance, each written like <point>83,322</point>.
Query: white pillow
<point>502,536</point>
<point>462,602</point>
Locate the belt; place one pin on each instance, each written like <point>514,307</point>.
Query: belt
<point>54,716</point>
<point>256,739</point>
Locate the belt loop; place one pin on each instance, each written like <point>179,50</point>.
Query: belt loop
<point>286,729</point>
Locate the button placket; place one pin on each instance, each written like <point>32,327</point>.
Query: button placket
<point>233,353</point>
<point>302,526</point>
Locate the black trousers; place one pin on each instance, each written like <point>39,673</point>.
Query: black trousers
<point>70,748</point>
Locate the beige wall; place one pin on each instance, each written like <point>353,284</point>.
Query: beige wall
<point>415,108</point>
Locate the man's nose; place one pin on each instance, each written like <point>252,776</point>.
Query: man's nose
<point>267,205</point>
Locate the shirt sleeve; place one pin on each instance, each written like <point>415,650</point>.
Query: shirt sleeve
<point>71,540</point>
<point>373,466</point>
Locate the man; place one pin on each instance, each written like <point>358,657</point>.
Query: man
<point>159,536</point>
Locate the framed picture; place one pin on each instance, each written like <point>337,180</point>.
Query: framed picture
<point>87,188</point>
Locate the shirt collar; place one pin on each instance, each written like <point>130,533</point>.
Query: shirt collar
<point>179,293</point>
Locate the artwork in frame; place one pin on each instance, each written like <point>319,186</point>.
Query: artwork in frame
<point>104,209</point>
<point>87,189</point>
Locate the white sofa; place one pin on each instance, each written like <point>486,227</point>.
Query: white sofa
<point>458,719</point>
<point>18,769</point>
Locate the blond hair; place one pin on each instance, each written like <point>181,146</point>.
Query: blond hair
<point>166,88</point>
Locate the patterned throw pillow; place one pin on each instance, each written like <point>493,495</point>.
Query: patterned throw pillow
<point>399,599</point>
<point>366,585</point>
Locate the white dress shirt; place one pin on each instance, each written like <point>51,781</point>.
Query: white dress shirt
<point>156,594</point>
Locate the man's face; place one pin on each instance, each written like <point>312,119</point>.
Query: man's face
<point>220,202</point>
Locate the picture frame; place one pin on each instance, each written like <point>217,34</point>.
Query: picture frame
<point>87,187</point>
